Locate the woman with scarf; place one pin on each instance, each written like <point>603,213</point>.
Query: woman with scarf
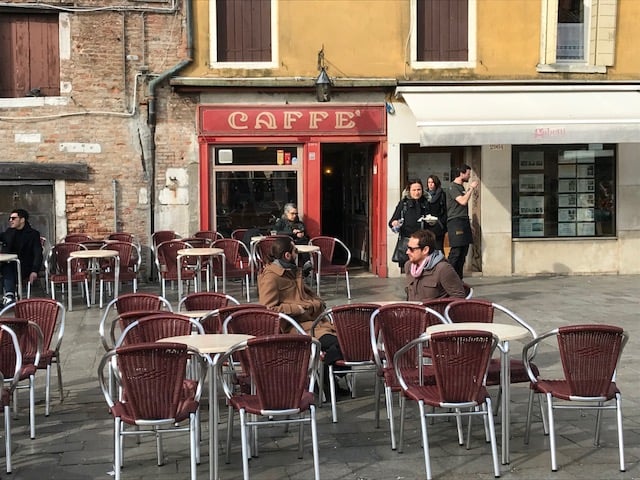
<point>428,274</point>
<point>437,223</point>
<point>406,217</point>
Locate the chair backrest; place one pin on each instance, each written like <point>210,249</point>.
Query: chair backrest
<point>108,329</point>
<point>397,324</point>
<point>238,233</point>
<point>126,251</point>
<point>47,313</point>
<point>30,339</point>
<point>197,242</point>
<point>212,322</point>
<point>152,328</point>
<point>330,254</point>
<point>77,238</point>
<point>351,323</point>
<point>58,255</point>
<point>167,254</point>
<point>162,236</point>
<point>235,253</point>
<point>10,355</point>
<point>282,369</point>
<point>135,302</point>
<point>152,377</point>
<point>259,322</point>
<point>122,237</point>
<point>471,310</point>
<point>263,250</point>
<point>209,234</point>
<point>206,301</point>
<point>460,360</point>
<point>440,304</point>
<point>590,355</point>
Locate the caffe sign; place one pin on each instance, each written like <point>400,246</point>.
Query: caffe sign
<point>287,120</point>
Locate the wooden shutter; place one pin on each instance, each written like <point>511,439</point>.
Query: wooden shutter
<point>442,30</point>
<point>243,30</point>
<point>603,32</point>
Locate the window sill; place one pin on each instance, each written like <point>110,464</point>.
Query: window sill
<point>416,65</point>
<point>33,102</point>
<point>570,68</point>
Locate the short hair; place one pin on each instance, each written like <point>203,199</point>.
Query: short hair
<point>411,181</point>
<point>436,180</point>
<point>21,212</point>
<point>288,207</point>
<point>426,238</point>
<point>279,247</point>
<point>457,171</point>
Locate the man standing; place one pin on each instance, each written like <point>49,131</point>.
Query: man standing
<point>458,224</point>
<point>428,274</point>
<point>20,238</point>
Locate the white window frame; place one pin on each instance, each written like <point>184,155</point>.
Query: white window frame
<point>213,43</point>
<point>471,41</point>
<point>592,62</point>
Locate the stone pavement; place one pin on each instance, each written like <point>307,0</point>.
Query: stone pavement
<point>75,441</point>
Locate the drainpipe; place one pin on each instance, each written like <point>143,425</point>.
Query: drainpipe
<point>152,102</point>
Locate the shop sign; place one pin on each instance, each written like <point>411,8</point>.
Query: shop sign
<point>288,120</point>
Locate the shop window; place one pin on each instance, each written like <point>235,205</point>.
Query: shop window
<point>243,32</point>
<point>578,35</point>
<point>252,185</point>
<point>444,33</point>
<point>563,191</point>
<point>29,55</point>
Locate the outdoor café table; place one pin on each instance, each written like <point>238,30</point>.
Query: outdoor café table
<point>13,257</point>
<point>94,256</point>
<point>199,253</point>
<point>504,333</point>
<point>211,345</point>
<point>313,249</point>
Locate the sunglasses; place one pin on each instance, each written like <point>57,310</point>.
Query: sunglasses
<point>413,249</point>
<point>11,219</point>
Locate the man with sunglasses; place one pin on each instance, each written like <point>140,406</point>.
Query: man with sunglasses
<point>428,274</point>
<point>22,239</point>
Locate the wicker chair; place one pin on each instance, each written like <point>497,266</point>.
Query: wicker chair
<point>156,395</point>
<point>351,323</point>
<point>151,328</point>
<point>212,322</point>
<point>283,369</point>
<point>166,257</point>
<point>237,263</point>
<point>209,234</point>
<point>205,301</point>
<point>335,259</point>
<point>390,328</point>
<point>129,254</point>
<point>589,356</point>
<point>49,315</point>
<point>56,267</point>
<point>8,343</point>
<point>460,361</point>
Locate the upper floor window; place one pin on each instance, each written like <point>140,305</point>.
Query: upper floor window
<point>243,32</point>
<point>443,33</point>
<point>578,35</point>
<point>29,55</point>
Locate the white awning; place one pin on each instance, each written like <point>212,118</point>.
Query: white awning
<point>528,114</point>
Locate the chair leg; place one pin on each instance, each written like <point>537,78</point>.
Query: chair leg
<point>332,391</point>
<point>117,450</point>
<point>459,427</point>
<point>59,368</point>
<point>527,428</point>
<point>300,437</point>
<point>229,433</point>
<point>47,390</point>
<point>86,288</point>
<point>552,434</point>
<point>492,431</point>
<point>620,437</point>
<point>7,436</point>
<point>101,292</point>
<point>389,400</point>
<point>425,440</point>
<point>402,407</point>
<point>346,276</point>
<point>245,444</point>
<point>314,442</point>
<point>376,394</point>
<point>193,443</point>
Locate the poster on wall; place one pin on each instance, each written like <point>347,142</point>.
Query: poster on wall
<point>585,215</point>
<point>566,171</point>
<point>567,200</point>
<point>567,215</point>
<point>531,227</point>
<point>567,185</point>
<point>531,182</point>
<point>531,160</point>
<point>585,171</point>
<point>586,185</point>
<point>566,229</point>
<point>586,229</point>
<point>533,205</point>
<point>586,200</point>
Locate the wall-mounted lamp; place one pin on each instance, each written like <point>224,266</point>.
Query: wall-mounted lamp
<point>323,82</point>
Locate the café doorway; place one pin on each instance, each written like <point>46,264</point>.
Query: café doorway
<point>346,197</point>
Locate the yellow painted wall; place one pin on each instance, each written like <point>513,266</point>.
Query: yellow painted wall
<point>370,39</point>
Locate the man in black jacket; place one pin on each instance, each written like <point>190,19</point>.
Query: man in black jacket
<point>20,238</point>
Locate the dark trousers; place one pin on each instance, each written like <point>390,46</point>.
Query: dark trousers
<point>9,277</point>
<point>456,258</point>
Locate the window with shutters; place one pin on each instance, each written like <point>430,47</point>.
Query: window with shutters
<point>578,35</point>
<point>444,33</point>
<point>243,33</point>
<point>29,55</point>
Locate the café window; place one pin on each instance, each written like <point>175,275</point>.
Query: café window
<point>253,183</point>
<point>563,191</point>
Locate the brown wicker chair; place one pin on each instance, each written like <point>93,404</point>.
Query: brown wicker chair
<point>156,395</point>
<point>8,343</point>
<point>166,257</point>
<point>460,361</point>
<point>30,339</point>
<point>205,301</point>
<point>333,261</point>
<point>589,356</point>
<point>237,263</point>
<point>439,304</point>
<point>130,261</point>
<point>394,326</point>
<point>151,328</point>
<point>212,322</point>
<point>49,315</point>
<point>351,323</point>
<point>56,267</point>
<point>282,368</point>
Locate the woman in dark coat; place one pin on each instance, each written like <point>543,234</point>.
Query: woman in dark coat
<point>406,217</point>
<point>437,208</point>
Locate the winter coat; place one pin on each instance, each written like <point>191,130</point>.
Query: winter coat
<point>26,243</point>
<point>438,279</point>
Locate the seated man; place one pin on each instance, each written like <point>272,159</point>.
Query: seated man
<point>290,224</point>
<point>281,288</point>
<point>428,274</point>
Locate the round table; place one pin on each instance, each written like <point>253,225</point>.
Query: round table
<point>94,256</point>
<point>13,257</point>
<point>211,345</point>
<point>199,253</point>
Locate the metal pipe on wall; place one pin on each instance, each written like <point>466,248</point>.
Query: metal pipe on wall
<point>114,184</point>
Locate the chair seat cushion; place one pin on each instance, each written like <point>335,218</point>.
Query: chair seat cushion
<point>27,370</point>
<point>410,377</point>
<point>430,395</point>
<point>560,389</point>
<point>251,403</point>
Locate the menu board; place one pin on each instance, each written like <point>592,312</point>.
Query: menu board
<point>531,192</point>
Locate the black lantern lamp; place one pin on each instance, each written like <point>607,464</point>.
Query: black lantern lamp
<point>323,82</point>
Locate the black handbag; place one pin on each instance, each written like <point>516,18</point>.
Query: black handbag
<point>400,253</point>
